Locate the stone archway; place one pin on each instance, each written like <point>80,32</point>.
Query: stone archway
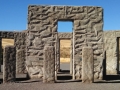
<point>88,27</point>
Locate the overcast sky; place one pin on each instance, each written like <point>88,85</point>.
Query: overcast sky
<point>13,13</point>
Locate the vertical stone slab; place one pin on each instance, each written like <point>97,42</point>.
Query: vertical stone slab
<point>20,61</point>
<point>20,44</point>
<point>0,53</point>
<point>87,65</point>
<point>49,64</point>
<point>71,57</point>
<point>9,63</point>
<point>58,55</point>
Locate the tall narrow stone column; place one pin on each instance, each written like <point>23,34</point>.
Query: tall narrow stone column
<point>87,65</point>
<point>0,53</point>
<point>9,63</point>
<point>49,64</point>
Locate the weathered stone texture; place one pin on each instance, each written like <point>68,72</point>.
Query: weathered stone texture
<point>34,68</point>
<point>42,27</point>
<point>88,31</point>
<point>57,62</point>
<point>98,68</point>
<point>1,54</point>
<point>71,57</point>
<point>9,63</point>
<point>20,43</point>
<point>49,64</point>
<point>64,35</point>
<point>20,38</point>
<point>20,61</point>
<point>7,34</point>
<point>87,65</point>
<point>111,48</point>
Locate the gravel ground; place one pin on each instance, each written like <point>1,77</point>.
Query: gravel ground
<point>60,86</point>
<point>38,85</point>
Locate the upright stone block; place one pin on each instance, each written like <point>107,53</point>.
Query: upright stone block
<point>0,54</point>
<point>49,64</point>
<point>87,65</point>
<point>20,61</point>
<point>9,63</point>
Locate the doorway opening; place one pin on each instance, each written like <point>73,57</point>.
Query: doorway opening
<point>4,42</point>
<point>65,51</point>
<point>118,50</point>
<point>65,55</point>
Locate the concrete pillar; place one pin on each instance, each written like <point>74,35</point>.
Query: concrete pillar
<point>20,61</point>
<point>9,64</point>
<point>71,57</point>
<point>0,53</point>
<point>49,64</point>
<point>87,65</point>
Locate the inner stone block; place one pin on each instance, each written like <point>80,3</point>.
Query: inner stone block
<point>87,65</point>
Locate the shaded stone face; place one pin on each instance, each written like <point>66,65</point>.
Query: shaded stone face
<point>9,63</point>
<point>20,61</point>
<point>20,44</point>
<point>111,46</point>
<point>87,31</point>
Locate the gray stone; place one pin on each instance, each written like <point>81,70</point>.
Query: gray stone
<point>9,63</point>
<point>49,64</point>
<point>87,65</point>
<point>20,61</point>
<point>87,30</point>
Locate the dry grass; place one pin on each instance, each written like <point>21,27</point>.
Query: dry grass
<point>64,59</point>
<point>6,42</point>
<point>65,50</point>
<point>65,43</point>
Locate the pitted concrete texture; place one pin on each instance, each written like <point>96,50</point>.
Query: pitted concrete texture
<point>111,47</point>
<point>34,85</point>
<point>49,64</point>
<point>87,65</point>
<point>42,29</point>
<point>9,64</point>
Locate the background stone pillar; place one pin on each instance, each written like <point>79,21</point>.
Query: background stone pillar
<point>20,61</point>
<point>87,65</point>
<point>0,53</point>
<point>49,64</point>
<point>71,57</point>
<point>58,55</point>
<point>9,63</point>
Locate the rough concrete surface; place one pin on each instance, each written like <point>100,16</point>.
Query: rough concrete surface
<point>87,64</point>
<point>60,86</point>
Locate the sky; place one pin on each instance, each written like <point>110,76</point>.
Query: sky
<point>13,13</point>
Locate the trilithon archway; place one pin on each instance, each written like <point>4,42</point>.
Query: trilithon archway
<point>42,32</point>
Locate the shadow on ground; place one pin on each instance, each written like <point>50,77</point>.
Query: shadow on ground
<point>110,79</point>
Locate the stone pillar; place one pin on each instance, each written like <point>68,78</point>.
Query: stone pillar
<point>0,53</point>
<point>58,55</point>
<point>49,64</point>
<point>87,65</point>
<point>20,61</point>
<point>71,57</point>
<point>9,63</point>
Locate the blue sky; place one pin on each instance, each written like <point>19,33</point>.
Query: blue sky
<point>13,13</point>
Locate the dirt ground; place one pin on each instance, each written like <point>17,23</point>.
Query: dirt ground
<point>60,86</point>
